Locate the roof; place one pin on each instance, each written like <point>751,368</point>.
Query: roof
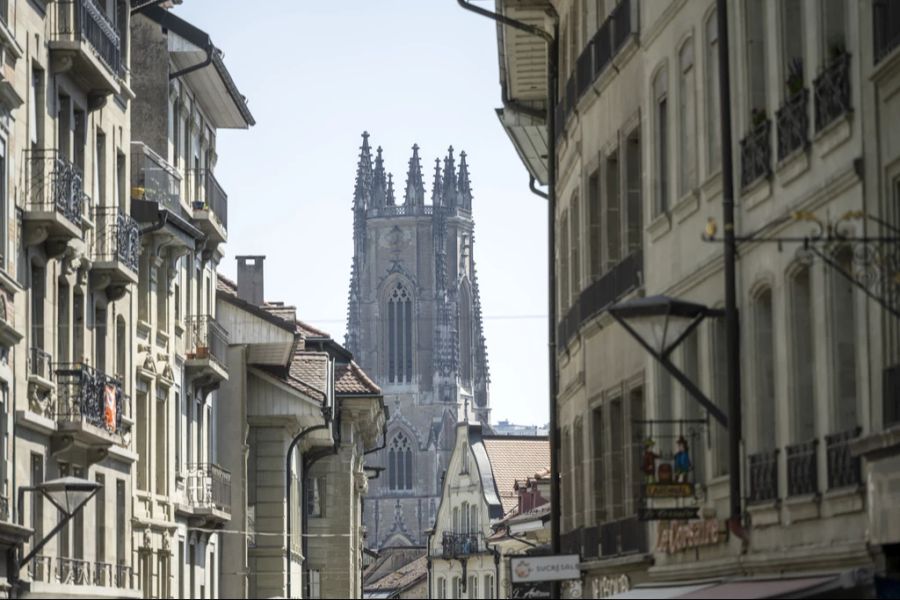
<point>402,578</point>
<point>351,379</point>
<point>514,459</point>
<point>306,373</point>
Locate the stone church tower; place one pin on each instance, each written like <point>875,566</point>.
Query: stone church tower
<point>414,324</point>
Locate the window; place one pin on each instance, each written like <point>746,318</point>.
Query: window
<point>472,592</point>
<point>100,518</point>
<point>36,116</point>
<point>65,534</point>
<point>792,26</point>
<point>843,332</point>
<point>100,319</point>
<point>488,586</point>
<point>562,254</point>
<point>162,570</point>
<point>456,588</point>
<point>713,126</point>
<point>634,202</point>
<point>142,421</point>
<point>400,324</point>
<point>400,468</point>
<point>464,460</point>
<point>38,292</point>
<point>595,224</point>
<point>122,339</point>
<point>687,129</point>
<point>455,523</point>
<point>464,518</point>
<point>613,212</point>
<point>636,415</point>
<point>578,475</point>
<point>466,343</point>
<point>161,427</point>
<point>37,500</point>
<point>617,457</point>
<point>598,436</point>
<point>693,410</point>
<point>100,170</point>
<point>162,298</point>
<point>756,57</point>
<point>181,568</point>
<point>441,585</point>
<point>804,364</point>
<point>574,249</point>
<point>565,479</point>
<point>314,582</point>
<point>315,497</point>
<point>718,362</point>
<point>78,308</point>
<point>764,375</point>
<point>473,519</point>
<point>121,554</point>
<point>834,15</point>
<point>63,337</point>
<point>4,210</point>
<point>661,118</point>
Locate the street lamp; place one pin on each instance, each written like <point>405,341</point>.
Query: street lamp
<point>69,495</point>
<point>660,324</point>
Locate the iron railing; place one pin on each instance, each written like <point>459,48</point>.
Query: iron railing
<point>209,195</point>
<point>53,184</point>
<point>208,486</point>
<point>75,571</point>
<point>40,363</point>
<point>206,339</point>
<point>793,124</point>
<point>832,91</point>
<point>756,153</point>
<point>90,396</point>
<point>625,276</point>
<point>154,179</point>
<point>886,27</point>
<point>843,468</point>
<point>84,20</point>
<point>454,545</point>
<point>118,237</point>
<point>802,468</point>
<point>763,475</point>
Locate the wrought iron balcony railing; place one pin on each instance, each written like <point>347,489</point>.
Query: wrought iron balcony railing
<point>886,27</point>
<point>84,20</point>
<point>802,468</point>
<point>209,486</point>
<point>756,154</point>
<point>118,237</point>
<point>206,339</point>
<point>78,572</point>
<point>843,468</point>
<point>53,184</point>
<point>793,124</point>
<point>40,363</point>
<point>454,545</point>
<point>832,91</point>
<point>763,476</point>
<point>153,179</point>
<point>89,396</point>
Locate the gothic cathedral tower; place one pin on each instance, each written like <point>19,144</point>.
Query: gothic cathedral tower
<point>414,323</point>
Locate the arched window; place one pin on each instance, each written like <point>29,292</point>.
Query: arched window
<point>399,309</point>
<point>713,139</point>
<point>764,356</point>
<point>661,142</point>
<point>843,329</point>
<point>803,356</point>
<point>400,472</point>
<point>465,336</point>
<point>687,131</point>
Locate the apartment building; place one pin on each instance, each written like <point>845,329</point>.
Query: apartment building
<point>184,96</point>
<point>638,161</point>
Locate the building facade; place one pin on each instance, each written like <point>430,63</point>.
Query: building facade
<point>414,323</point>
<point>638,161</point>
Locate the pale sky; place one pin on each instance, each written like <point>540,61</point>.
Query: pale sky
<point>316,75</point>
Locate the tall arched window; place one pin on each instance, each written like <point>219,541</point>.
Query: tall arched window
<point>764,356</point>
<point>399,309</point>
<point>804,350</point>
<point>687,132</point>
<point>465,336</point>
<point>661,143</point>
<point>843,329</point>
<point>400,471</point>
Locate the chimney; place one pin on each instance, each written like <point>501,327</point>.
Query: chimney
<point>250,279</point>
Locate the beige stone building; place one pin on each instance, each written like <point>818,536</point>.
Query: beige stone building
<point>638,157</point>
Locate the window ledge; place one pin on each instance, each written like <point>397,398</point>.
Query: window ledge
<point>659,226</point>
<point>756,193</point>
<point>687,205</point>
<point>792,166</point>
<point>802,508</point>
<point>842,501</point>
<point>833,135</point>
<point>763,514</point>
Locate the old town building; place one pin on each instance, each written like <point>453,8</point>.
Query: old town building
<point>414,323</point>
<point>638,180</point>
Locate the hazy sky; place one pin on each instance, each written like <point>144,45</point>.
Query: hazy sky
<point>316,75</point>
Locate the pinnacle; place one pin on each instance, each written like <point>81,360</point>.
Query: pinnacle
<point>415,187</point>
<point>390,190</point>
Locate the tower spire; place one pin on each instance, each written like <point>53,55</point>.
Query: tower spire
<point>363,189</point>
<point>415,187</point>
<point>379,182</point>
<point>464,186</point>
<point>436,186</point>
<point>449,184</point>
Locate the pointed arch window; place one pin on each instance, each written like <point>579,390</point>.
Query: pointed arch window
<point>466,345</point>
<point>400,471</point>
<point>399,309</point>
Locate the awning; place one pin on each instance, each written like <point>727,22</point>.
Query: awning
<point>786,587</point>
<point>663,591</point>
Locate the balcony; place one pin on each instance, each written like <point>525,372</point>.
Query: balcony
<point>54,199</point>
<point>802,469</point>
<point>886,27</point>
<point>208,492</point>
<point>210,205</point>
<point>117,248</point>
<point>85,44</point>
<point>154,180</point>
<point>763,475</point>
<point>832,90</point>
<point>206,347</point>
<point>40,383</point>
<point>843,468</point>
<point>756,153</point>
<point>793,124</point>
<point>117,579</point>
<point>90,406</point>
<point>459,545</point>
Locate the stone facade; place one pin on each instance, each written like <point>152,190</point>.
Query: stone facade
<point>414,323</point>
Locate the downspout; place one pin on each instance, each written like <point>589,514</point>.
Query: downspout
<point>552,60</point>
<point>201,65</point>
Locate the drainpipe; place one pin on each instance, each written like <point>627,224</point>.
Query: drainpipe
<point>552,64</point>
<point>201,65</point>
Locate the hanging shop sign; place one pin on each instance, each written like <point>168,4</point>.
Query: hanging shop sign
<point>545,568</point>
<point>663,455</point>
<point>678,536</point>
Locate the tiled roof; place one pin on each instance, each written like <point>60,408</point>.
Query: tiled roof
<point>350,379</point>
<point>403,577</point>
<point>307,373</point>
<point>515,458</point>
